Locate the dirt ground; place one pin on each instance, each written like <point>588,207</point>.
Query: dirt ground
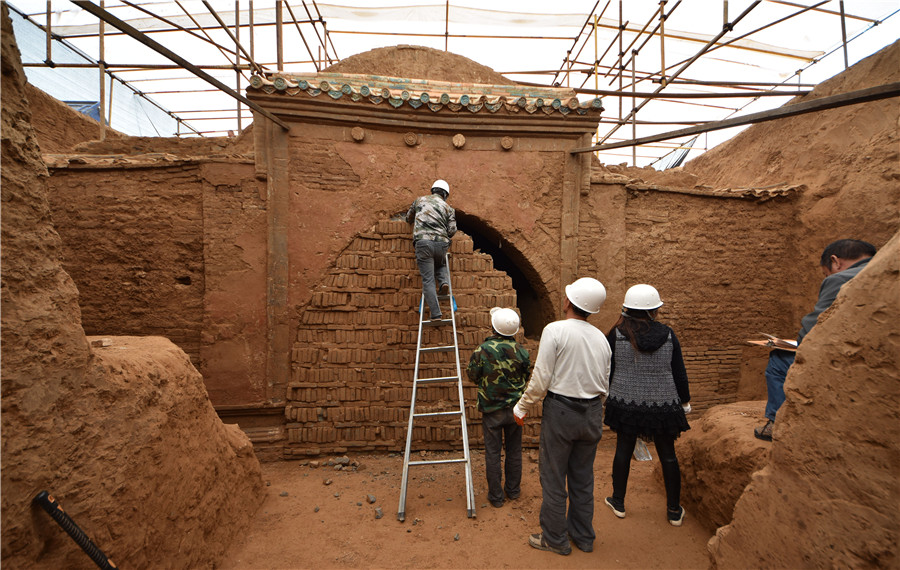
<point>306,521</point>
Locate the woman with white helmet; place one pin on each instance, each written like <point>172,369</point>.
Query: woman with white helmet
<point>648,395</point>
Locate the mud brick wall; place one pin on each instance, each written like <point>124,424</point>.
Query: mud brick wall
<point>705,255</point>
<point>174,250</point>
<point>354,355</point>
<point>133,244</point>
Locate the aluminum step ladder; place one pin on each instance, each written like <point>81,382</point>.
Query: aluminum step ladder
<point>451,379</point>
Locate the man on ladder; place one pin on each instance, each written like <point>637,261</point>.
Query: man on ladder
<point>434,223</point>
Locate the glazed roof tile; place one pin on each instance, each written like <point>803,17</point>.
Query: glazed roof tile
<point>435,95</point>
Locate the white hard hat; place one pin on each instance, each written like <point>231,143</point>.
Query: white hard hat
<point>505,321</point>
<point>587,294</point>
<point>442,184</point>
<point>644,297</point>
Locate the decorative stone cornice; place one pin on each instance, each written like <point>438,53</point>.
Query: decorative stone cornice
<point>437,96</point>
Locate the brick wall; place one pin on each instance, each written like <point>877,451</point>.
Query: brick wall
<point>716,263</point>
<point>354,354</point>
<point>174,250</point>
<point>133,244</point>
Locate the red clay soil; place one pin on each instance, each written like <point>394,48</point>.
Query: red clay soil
<point>316,517</point>
<point>831,478</point>
<point>718,456</point>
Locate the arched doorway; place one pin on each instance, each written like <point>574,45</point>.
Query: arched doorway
<point>533,300</point>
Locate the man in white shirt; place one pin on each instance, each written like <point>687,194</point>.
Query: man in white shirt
<point>571,374</point>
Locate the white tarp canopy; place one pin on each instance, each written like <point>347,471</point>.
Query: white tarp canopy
<point>774,45</point>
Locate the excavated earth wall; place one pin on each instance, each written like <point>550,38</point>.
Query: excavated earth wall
<point>828,494</point>
<point>119,430</point>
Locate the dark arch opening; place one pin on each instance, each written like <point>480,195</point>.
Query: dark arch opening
<point>532,298</point>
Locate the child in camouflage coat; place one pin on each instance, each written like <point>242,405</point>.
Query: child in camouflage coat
<point>500,368</point>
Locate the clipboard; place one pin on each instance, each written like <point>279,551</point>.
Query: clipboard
<point>775,342</point>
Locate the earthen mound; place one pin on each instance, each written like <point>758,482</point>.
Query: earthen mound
<point>420,63</point>
<point>829,494</point>
<point>58,127</point>
<point>717,456</point>
<point>848,158</point>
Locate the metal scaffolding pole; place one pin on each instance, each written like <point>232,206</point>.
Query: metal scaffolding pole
<point>102,73</point>
<point>816,8</point>
<point>279,39</point>
<point>162,50</point>
<point>619,66</point>
<point>634,111</point>
<point>312,20</point>
<point>824,103</point>
<point>325,31</point>
<point>844,36</point>
<point>662,40</point>
<point>710,95</point>
<point>314,59</point>
<point>725,29</point>
<point>175,25</point>
<point>750,33</point>
<point>49,59</point>
<point>237,59</point>
<point>569,58</point>
<point>639,34</point>
<point>238,48</point>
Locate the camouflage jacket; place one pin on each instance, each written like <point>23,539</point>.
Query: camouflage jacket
<point>499,367</point>
<point>432,218</point>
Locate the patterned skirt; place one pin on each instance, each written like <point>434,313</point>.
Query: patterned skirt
<point>645,420</point>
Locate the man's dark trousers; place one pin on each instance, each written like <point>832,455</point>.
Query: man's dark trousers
<point>497,426</point>
<point>569,439</point>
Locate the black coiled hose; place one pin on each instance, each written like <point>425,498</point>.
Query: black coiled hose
<point>56,512</point>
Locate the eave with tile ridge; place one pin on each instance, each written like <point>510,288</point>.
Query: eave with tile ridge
<point>412,102</point>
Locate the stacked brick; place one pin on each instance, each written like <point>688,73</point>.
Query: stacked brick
<point>354,354</point>
<point>714,373</point>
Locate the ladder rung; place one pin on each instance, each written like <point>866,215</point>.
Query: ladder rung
<point>433,414</point>
<point>436,461</point>
<point>443,297</point>
<point>436,323</point>
<point>437,349</point>
<point>440,379</point>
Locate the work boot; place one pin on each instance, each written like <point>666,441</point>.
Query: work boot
<point>582,547</point>
<point>765,432</point>
<point>537,541</point>
<point>444,289</point>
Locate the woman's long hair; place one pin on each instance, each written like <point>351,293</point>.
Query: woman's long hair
<point>633,322</point>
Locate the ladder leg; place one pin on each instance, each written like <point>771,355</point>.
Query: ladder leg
<point>470,489</point>
<point>401,509</point>
<point>467,459</point>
